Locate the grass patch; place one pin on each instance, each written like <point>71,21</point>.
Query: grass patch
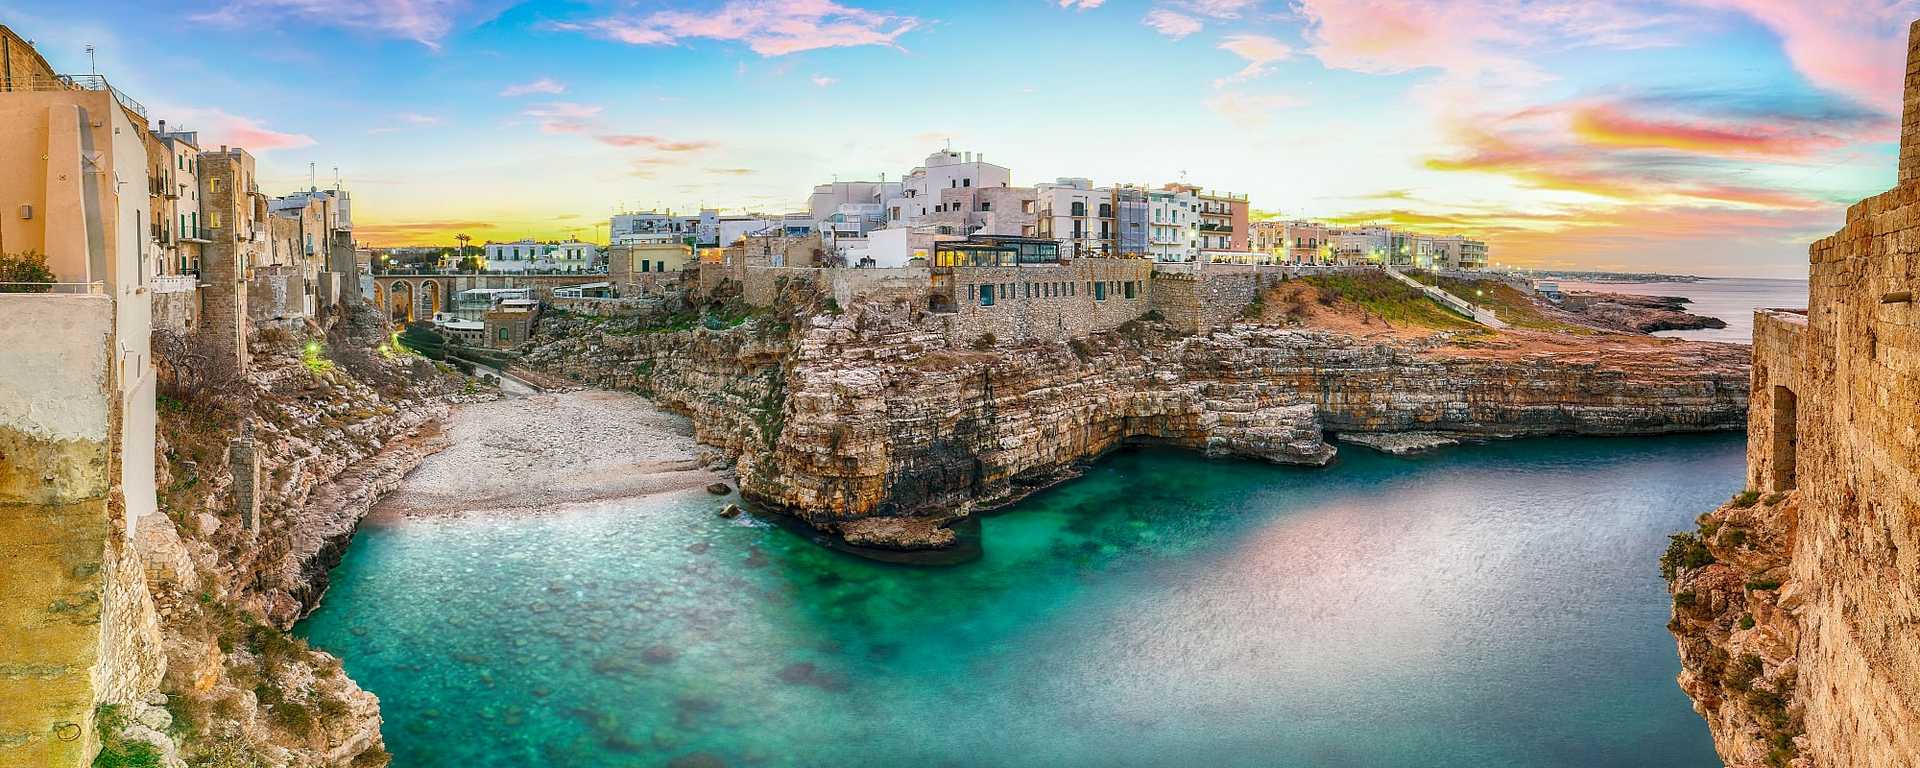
<point>1513,306</point>
<point>1685,551</point>
<point>1390,300</point>
<point>115,752</point>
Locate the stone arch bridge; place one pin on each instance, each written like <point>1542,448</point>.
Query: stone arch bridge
<point>418,297</point>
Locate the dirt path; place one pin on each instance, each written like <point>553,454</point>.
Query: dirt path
<point>533,454</point>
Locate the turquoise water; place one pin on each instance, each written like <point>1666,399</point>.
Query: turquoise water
<point>1492,605</point>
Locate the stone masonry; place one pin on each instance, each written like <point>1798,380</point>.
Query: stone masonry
<point>224,268</point>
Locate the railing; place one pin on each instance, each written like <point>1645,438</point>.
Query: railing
<point>175,283</point>
<point>95,288</point>
<point>75,83</point>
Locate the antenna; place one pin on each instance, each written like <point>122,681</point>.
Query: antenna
<point>336,178</point>
<point>92,66</point>
<point>310,182</point>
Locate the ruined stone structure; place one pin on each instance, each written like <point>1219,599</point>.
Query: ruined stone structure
<point>1801,640</point>
<point>227,258</point>
<point>1197,303</point>
<point>1048,302</point>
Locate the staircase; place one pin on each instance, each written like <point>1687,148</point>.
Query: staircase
<point>1472,311</point>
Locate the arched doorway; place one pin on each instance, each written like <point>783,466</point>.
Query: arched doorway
<point>400,301</point>
<point>429,297</point>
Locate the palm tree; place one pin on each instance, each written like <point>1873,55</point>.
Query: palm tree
<point>461,259</point>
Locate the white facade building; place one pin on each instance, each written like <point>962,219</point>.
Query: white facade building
<point>533,256</point>
<point>1076,214</point>
<point>919,193</point>
<point>654,228</point>
<point>1173,225</point>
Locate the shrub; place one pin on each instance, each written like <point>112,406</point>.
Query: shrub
<point>1762,584</point>
<point>1745,499</point>
<point>985,341</point>
<point>116,753</point>
<point>193,370</point>
<point>1685,551</point>
<point>1746,621</point>
<point>1773,498</point>
<point>1685,599</point>
<point>28,267</point>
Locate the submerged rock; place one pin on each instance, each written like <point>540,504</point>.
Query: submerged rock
<point>719,489</point>
<point>1399,443</point>
<point>730,511</point>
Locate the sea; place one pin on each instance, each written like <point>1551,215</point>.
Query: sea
<point>1485,605</point>
<point>1732,299</point>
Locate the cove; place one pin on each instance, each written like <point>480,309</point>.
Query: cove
<point>1487,605</point>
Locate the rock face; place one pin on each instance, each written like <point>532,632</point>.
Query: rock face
<point>1799,623</point>
<point>238,553</point>
<point>845,417</point>
<point>1641,314</point>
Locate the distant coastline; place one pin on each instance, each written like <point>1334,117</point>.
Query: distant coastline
<point>1619,277</point>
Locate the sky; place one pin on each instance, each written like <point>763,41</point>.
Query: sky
<point>1710,137</point>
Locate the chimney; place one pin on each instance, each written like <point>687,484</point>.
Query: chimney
<point>1910,112</point>
<point>163,127</point>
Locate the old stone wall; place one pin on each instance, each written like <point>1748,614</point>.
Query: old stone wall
<point>175,310</point>
<point>78,623</point>
<point>1798,640</point>
<point>224,259</point>
<point>1045,302</point>
<point>1199,302</point>
<point>276,292</point>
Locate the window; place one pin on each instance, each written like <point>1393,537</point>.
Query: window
<point>986,206</point>
<point>1100,291</point>
<point>213,219</point>
<point>503,335</point>
<point>966,182</point>
<point>1106,210</point>
<point>986,295</point>
<point>644,265</point>
<point>1129,286</point>
<point>1079,208</point>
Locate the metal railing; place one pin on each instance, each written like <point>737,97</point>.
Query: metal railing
<point>175,283</point>
<point>93,288</point>
<point>73,83</point>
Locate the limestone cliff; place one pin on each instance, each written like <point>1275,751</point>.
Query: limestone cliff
<point>853,419</point>
<point>262,481</point>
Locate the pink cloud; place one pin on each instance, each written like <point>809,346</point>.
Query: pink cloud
<point>823,80</point>
<point>542,85</point>
<point>217,126</point>
<point>1258,51</point>
<point>1082,4</point>
<point>563,116</point>
<point>1174,25</point>
<point>1467,37</point>
<point>653,142</point>
<point>423,21</point>
<point>767,27</point>
<point>1857,47</point>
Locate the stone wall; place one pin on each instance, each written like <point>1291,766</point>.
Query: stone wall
<point>223,263</point>
<point>1799,637</point>
<point>79,626</point>
<point>276,293</point>
<point>1196,303</point>
<point>175,310</point>
<point>1046,302</point>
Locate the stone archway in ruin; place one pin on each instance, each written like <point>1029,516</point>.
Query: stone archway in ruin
<point>400,301</point>
<point>430,300</point>
<point>1786,439</point>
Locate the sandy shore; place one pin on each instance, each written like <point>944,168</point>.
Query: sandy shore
<point>533,454</point>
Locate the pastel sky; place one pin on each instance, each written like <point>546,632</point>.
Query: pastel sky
<point>1703,136</point>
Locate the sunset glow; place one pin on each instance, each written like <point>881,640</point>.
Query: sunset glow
<point>1704,136</point>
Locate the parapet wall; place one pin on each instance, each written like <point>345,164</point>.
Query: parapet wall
<point>1047,302</point>
<point>1197,303</point>
<point>1857,457</point>
<point>79,627</point>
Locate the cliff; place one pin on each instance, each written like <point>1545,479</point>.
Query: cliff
<point>262,480</point>
<point>1797,606</point>
<point>1641,314</point>
<point>858,421</point>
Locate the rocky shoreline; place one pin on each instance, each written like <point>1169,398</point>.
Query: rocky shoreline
<point>866,425</point>
<point>1638,313</point>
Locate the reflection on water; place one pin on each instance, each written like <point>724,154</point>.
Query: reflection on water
<point>1486,606</point>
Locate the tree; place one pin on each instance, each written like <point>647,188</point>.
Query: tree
<point>25,273</point>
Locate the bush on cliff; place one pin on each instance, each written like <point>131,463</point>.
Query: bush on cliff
<point>1745,499</point>
<point>116,752</point>
<point>1685,551</point>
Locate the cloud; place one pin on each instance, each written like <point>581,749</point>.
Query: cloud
<point>1469,38</point>
<point>732,171</point>
<point>1083,5</point>
<point>1171,24</point>
<point>430,232</point>
<point>653,142</point>
<point>767,27</point>
<point>563,116</point>
<point>543,85</point>
<point>1258,51</point>
<point>1857,47</point>
<point>824,81</point>
<point>425,22</point>
<point>1615,125</point>
<point>1251,110</point>
<point>218,126</point>
<point>1218,9</point>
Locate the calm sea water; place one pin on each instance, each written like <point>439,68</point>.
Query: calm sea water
<point>1732,299</point>
<point>1492,605</point>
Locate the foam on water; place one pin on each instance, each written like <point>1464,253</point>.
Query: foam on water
<point>1485,606</point>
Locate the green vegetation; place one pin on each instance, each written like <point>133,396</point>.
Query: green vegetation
<point>1685,551</point>
<point>421,339</point>
<point>116,752</point>
<point>1684,599</point>
<point>1746,621</point>
<point>28,267</point>
<point>1745,499</point>
<point>1763,584</point>
<point>1389,299</point>
<point>1513,306</point>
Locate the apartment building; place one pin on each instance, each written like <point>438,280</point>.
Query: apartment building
<point>653,227</point>
<point>529,255</point>
<point>1078,216</point>
<point>919,191</point>
<point>1173,225</point>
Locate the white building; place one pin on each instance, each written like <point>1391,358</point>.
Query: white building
<point>1173,225</point>
<point>533,256</point>
<point>919,193</point>
<point>1077,215</point>
<point>654,228</point>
